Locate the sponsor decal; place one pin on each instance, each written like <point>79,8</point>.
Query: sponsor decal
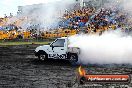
<point>57,56</point>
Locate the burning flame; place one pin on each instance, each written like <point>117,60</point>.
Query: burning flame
<point>81,71</point>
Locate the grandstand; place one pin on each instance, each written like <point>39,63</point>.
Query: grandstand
<point>82,16</point>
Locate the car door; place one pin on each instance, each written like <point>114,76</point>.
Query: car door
<point>59,49</point>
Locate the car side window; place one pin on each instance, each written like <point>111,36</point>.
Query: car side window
<point>59,43</point>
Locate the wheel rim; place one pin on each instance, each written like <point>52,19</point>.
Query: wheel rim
<point>73,58</point>
<point>42,57</point>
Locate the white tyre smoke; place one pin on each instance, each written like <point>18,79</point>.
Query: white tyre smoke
<point>111,47</point>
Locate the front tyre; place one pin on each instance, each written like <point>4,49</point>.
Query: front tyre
<point>42,57</point>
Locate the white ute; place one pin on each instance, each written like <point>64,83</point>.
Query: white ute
<point>58,49</point>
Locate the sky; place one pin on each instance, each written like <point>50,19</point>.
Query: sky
<point>10,6</point>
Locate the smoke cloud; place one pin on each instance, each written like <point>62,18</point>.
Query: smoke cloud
<point>112,47</point>
<point>47,15</point>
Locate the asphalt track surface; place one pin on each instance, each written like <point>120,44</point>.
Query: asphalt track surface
<point>19,68</point>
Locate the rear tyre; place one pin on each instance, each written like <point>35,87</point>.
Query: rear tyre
<point>73,58</point>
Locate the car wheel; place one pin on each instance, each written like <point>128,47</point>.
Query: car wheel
<point>43,57</point>
<point>73,58</point>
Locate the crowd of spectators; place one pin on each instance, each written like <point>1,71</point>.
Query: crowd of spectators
<point>91,19</point>
<point>77,18</point>
<point>96,20</point>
